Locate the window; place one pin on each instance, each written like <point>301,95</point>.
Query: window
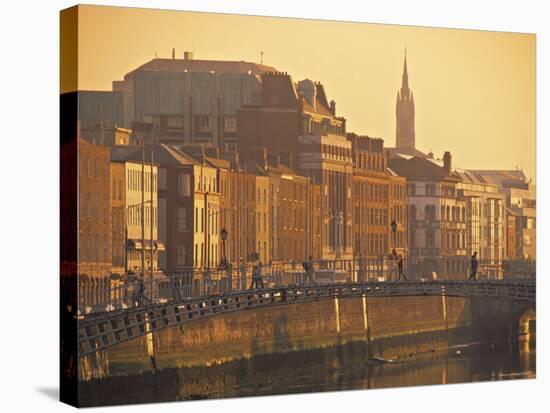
<point>412,189</point>
<point>182,219</point>
<point>90,206</point>
<point>202,124</point>
<point>171,124</point>
<point>196,219</point>
<point>429,212</point>
<point>430,239</point>
<point>196,254</point>
<point>97,206</point>
<point>83,164</point>
<point>182,254</point>
<point>106,208</point>
<point>430,189</point>
<point>184,185</point>
<point>229,124</point>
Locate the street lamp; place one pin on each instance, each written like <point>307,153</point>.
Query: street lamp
<point>223,234</point>
<point>393,226</point>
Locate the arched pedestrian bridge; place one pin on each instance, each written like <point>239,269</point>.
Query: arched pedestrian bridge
<point>98,331</point>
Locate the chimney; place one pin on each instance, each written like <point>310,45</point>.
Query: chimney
<point>173,53</point>
<point>333,107</point>
<point>447,162</point>
<point>188,55</point>
<point>265,159</point>
<point>308,90</point>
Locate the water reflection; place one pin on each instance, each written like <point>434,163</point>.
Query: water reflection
<point>337,368</point>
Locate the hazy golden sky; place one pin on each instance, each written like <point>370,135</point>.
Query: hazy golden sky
<point>474,91</point>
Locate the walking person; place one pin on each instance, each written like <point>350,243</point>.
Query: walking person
<point>473,267</point>
<point>257,282</point>
<point>308,269</point>
<point>400,272</point>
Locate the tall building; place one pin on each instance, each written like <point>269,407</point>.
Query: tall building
<point>296,121</point>
<point>404,115</point>
<point>190,100</point>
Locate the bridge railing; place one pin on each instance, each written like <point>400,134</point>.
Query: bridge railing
<point>132,290</point>
<point>101,330</point>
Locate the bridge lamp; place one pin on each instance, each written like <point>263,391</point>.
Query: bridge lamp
<point>393,226</point>
<point>223,234</point>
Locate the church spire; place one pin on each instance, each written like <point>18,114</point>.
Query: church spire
<point>405,83</point>
<point>404,112</point>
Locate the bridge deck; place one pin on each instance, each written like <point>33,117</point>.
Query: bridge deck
<point>98,331</point>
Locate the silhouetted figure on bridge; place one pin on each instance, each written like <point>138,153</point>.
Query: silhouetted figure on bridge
<point>473,267</point>
<point>257,281</point>
<point>308,270</point>
<point>400,272</point>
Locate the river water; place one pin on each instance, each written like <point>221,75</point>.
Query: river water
<point>336,368</point>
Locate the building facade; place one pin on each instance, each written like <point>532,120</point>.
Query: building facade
<point>118,217</point>
<point>371,197</point>
<point>521,207</point>
<point>398,212</point>
<point>94,224</point>
<point>485,220</point>
<point>437,216</point>
<point>190,100</point>
<point>141,205</point>
<point>295,121</point>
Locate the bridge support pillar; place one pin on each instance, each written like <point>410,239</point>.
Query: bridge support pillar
<point>366,326</point>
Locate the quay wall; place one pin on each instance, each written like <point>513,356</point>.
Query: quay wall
<point>393,327</point>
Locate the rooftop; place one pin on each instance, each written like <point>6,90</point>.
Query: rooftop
<point>200,66</point>
<point>420,168</point>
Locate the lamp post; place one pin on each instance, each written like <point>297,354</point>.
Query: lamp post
<point>393,226</point>
<point>393,230</point>
<point>223,234</point>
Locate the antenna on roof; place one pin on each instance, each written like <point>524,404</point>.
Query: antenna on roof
<point>156,56</point>
<point>101,125</point>
<point>261,58</point>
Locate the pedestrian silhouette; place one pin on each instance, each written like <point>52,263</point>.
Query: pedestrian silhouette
<point>473,267</point>
<point>257,281</point>
<point>400,268</point>
<point>308,270</point>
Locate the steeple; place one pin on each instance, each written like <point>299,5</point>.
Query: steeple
<point>405,82</point>
<point>404,113</point>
